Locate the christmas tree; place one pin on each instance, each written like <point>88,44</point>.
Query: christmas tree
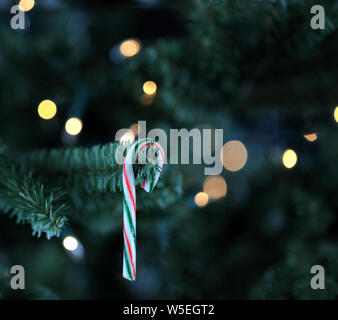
<point>80,71</point>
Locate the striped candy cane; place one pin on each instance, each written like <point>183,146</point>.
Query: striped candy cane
<point>129,200</point>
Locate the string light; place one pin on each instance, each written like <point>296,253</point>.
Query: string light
<point>311,137</point>
<point>215,187</point>
<point>26,5</point>
<point>336,114</point>
<point>289,158</point>
<point>234,155</point>
<point>47,109</point>
<point>70,243</point>
<point>130,48</point>
<point>201,199</point>
<point>73,126</point>
<point>150,88</point>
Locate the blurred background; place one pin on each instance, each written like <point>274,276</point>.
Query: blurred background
<point>81,70</point>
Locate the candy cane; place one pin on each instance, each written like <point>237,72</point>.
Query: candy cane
<point>129,201</point>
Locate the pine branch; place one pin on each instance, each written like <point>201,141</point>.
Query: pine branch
<point>25,198</point>
<point>79,171</point>
<point>28,201</point>
<point>93,169</point>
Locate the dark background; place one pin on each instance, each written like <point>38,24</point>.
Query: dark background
<point>253,68</point>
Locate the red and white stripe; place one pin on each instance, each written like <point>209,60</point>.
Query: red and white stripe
<point>129,201</point>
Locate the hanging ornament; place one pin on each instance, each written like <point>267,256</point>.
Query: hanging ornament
<point>140,152</point>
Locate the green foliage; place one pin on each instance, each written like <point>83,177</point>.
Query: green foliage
<point>27,200</point>
<point>253,68</point>
<point>93,169</point>
<point>68,175</point>
<point>24,197</point>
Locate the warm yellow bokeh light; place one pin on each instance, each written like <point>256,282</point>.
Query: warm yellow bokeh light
<point>70,243</point>
<point>336,114</point>
<point>201,199</point>
<point>234,155</point>
<point>26,5</point>
<point>130,48</point>
<point>146,99</point>
<point>127,137</point>
<point>134,128</point>
<point>150,87</point>
<point>73,126</point>
<point>215,187</point>
<point>311,137</point>
<point>289,158</point>
<point>47,109</point>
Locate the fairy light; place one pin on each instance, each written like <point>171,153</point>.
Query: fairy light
<point>26,5</point>
<point>70,243</point>
<point>73,126</point>
<point>130,48</point>
<point>201,199</point>
<point>289,158</point>
<point>336,114</point>
<point>47,109</point>
<point>234,155</point>
<point>311,137</point>
<point>150,87</point>
<point>215,187</point>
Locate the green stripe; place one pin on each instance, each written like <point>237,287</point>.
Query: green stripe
<point>127,263</point>
<point>152,182</point>
<point>136,148</point>
<point>126,208</point>
<point>152,185</point>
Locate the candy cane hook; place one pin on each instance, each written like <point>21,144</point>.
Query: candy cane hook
<point>129,200</point>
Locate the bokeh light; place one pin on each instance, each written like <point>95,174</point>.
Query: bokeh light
<point>336,114</point>
<point>289,158</point>
<point>201,199</point>
<point>47,109</point>
<point>234,155</point>
<point>150,87</point>
<point>311,137</point>
<point>134,127</point>
<point>73,126</point>
<point>215,187</point>
<point>128,137</point>
<point>130,48</point>
<point>70,243</point>
<point>146,99</point>
<point>26,5</point>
